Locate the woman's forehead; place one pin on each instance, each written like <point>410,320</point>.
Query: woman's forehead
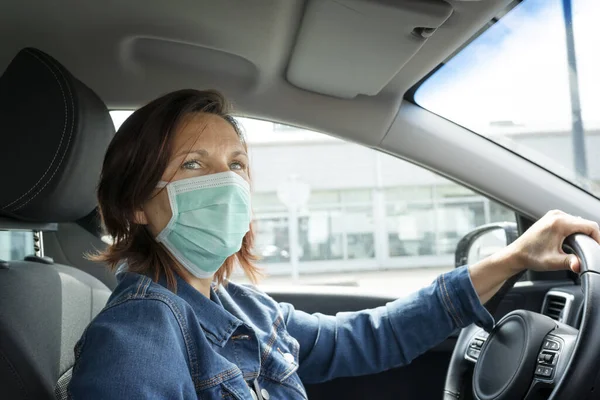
<point>205,131</point>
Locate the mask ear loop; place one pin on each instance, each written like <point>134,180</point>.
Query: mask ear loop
<point>161,184</point>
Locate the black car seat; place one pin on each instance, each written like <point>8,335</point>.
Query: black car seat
<point>54,132</point>
<point>72,241</point>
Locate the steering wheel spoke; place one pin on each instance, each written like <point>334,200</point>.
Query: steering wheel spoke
<point>553,358</point>
<point>476,343</point>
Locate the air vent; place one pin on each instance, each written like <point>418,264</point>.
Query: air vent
<point>554,307</point>
<point>557,305</point>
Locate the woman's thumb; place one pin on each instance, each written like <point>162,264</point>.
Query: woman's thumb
<point>571,262</point>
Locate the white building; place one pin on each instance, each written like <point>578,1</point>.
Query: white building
<point>368,210</point>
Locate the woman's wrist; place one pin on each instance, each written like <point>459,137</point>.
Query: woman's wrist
<point>489,274</point>
<point>512,258</point>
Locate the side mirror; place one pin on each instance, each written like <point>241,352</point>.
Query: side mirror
<point>484,241</point>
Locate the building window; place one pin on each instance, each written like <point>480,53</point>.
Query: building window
<point>410,228</point>
<point>272,243</point>
<point>15,245</point>
<point>321,235</point>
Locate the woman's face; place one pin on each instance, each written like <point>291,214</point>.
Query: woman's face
<point>204,144</point>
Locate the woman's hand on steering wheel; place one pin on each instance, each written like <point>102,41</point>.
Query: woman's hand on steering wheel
<point>540,247</point>
<point>527,354</point>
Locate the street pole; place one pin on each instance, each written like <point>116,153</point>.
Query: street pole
<point>578,135</point>
<point>293,238</point>
<point>294,194</point>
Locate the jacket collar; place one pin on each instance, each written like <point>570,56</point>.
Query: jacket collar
<point>218,316</point>
<point>213,316</point>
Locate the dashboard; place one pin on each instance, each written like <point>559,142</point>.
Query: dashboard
<point>564,304</point>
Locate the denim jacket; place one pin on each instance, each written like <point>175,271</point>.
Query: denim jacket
<point>150,343</point>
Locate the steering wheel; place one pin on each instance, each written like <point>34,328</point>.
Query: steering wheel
<point>528,355</point>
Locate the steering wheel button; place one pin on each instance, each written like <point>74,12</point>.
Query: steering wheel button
<point>473,353</point>
<point>546,357</point>
<point>551,345</point>
<point>545,372</point>
<point>482,335</point>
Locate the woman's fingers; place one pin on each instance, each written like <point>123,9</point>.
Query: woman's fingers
<point>574,263</point>
<point>542,243</point>
<point>580,225</point>
<point>565,225</point>
<point>559,260</point>
<point>565,261</point>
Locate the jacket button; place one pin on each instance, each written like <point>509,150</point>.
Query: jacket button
<point>254,397</point>
<point>288,357</point>
<point>265,394</point>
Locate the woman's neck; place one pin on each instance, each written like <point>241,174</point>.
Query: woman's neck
<point>202,285</point>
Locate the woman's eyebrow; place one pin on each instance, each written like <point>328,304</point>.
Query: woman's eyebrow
<point>200,152</point>
<point>239,153</point>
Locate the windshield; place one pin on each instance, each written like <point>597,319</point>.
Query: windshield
<point>531,82</point>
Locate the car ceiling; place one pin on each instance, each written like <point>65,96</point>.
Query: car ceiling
<point>340,67</point>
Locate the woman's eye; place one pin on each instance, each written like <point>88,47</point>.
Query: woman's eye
<point>192,164</point>
<point>236,165</point>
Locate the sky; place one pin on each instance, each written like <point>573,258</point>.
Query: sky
<point>517,71</point>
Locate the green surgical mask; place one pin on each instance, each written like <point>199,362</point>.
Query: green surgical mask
<point>211,216</point>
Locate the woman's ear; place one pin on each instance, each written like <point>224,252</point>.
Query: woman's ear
<point>140,217</point>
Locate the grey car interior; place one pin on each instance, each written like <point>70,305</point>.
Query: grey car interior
<point>297,62</point>
<point>65,128</point>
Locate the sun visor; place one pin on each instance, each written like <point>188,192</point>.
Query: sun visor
<point>350,47</point>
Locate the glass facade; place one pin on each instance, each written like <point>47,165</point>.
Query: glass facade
<point>15,245</point>
<point>420,223</point>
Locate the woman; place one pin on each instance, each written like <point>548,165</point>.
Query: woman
<point>175,196</point>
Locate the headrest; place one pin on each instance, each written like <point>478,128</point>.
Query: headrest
<point>54,131</point>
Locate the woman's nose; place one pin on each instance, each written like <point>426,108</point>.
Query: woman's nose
<point>221,167</point>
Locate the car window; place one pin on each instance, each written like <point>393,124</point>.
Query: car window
<point>359,217</point>
<point>530,82</point>
<point>15,245</point>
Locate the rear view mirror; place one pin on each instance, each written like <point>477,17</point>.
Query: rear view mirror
<point>484,241</point>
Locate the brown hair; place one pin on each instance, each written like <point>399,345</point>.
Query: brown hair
<point>134,163</point>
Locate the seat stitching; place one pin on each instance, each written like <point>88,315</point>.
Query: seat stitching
<point>66,147</point>
<point>16,374</point>
<point>61,137</point>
